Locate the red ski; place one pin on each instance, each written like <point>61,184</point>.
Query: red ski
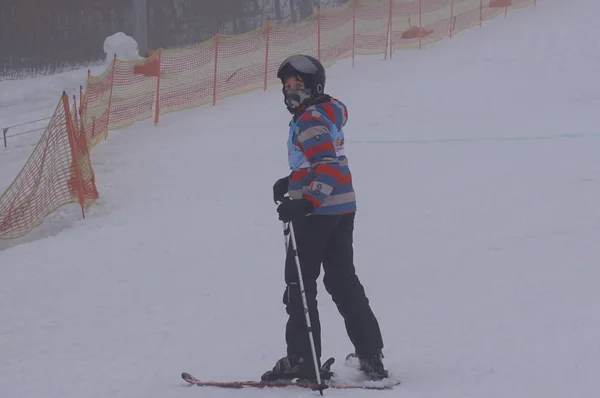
<point>283,383</point>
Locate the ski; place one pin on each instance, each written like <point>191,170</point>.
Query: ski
<point>283,383</point>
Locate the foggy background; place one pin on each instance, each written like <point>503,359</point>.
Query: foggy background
<point>49,36</point>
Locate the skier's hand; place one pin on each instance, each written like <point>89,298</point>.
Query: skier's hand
<point>292,209</point>
<point>280,189</point>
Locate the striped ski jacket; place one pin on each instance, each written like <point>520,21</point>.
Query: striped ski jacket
<point>320,171</point>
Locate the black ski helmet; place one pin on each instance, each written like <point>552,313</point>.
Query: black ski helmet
<point>309,69</point>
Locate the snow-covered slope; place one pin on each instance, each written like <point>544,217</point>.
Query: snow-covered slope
<point>476,167</point>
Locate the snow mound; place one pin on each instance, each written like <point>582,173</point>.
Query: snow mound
<point>125,47</point>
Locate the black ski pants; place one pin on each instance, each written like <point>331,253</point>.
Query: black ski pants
<point>327,240</point>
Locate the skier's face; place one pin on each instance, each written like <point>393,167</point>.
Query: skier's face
<point>293,83</point>
<point>295,93</point>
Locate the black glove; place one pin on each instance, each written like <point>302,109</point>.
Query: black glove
<point>293,209</point>
<point>280,189</point>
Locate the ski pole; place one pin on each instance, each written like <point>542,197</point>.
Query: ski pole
<point>288,229</point>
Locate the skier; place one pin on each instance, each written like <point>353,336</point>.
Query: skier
<point>321,205</point>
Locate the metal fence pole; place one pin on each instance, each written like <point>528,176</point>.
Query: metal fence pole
<point>140,23</point>
<point>4,131</point>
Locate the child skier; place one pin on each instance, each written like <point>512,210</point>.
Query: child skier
<point>321,205</point>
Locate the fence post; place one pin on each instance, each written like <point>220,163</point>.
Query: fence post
<point>157,111</point>
<point>87,86</point>
<point>353,32</point>
<point>216,67</point>
<point>319,32</point>
<point>420,22</point>
<point>80,100</point>
<point>4,131</point>
<point>450,23</point>
<point>480,13</point>
<point>267,51</point>
<point>75,106</point>
<point>112,85</point>
<point>389,38</point>
<point>73,145</point>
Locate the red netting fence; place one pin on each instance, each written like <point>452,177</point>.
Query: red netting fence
<point>58,172</point>
<point>176,79</point>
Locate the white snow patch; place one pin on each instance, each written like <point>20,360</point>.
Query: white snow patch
<point>125,47</point>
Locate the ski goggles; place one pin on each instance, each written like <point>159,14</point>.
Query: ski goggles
<point>299,63</point>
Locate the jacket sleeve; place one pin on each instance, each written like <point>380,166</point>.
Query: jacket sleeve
<point>316,142</point>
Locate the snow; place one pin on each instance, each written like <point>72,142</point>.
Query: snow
<point>476,167</point>
<point>24,101</point>
<point>27,105</point>
<point>123,46</point>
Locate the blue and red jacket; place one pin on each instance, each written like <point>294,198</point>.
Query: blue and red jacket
<point>319,165</point>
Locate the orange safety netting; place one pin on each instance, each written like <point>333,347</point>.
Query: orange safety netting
<point>186,77</point>
<point>57,173</point>
<point>176,79</point>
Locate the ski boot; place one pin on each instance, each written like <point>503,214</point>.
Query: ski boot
<point>372,366</point>
<point>294,367</point>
